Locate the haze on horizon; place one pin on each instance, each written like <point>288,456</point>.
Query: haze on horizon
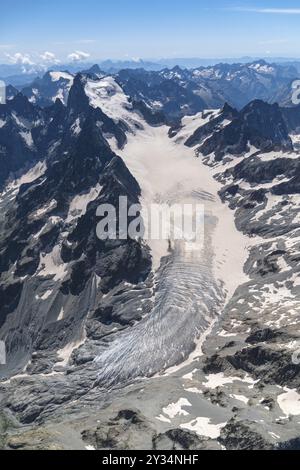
<point>68,31</point>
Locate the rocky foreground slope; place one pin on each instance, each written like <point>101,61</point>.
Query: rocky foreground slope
<point>129,344</point>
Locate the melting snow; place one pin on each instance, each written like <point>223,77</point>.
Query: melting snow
<point>61,314</point>
<point>51,264</point>
<point>191,123</point>
<point>27,137</point>
<point>32,175</point>
<point>289,402</point>
<point>36,172</point>
<point>203,427</point>
<point>218,380</point>
<point>46,295</point>
<point>190,375</point>
<point>163,419</point>
<point>241,398</point>
<point>79,204</point>
<point>66,353</point>
<point>44,210</point>
<point>76,127</point>
<point>193,390</point>
<point>175,409</point>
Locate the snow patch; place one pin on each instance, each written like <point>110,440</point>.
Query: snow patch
<point>27,137</point>
<point>191,123</point>
<point>175,409</point>
<point>66,353</point>
<point>219,380</point>
<point>44,210</point>
<point>51,264</point>
<point>76,129</point>
<point>46,295</point>
<point>241,398</point>
<point>194,390</point>
<point>163,419</point>
<point>36,172</point>
<point>61,314</point>
<point>79,204</point>
<point>56,76</point>
<point>203,427</point>
<point>289,402</point>
<point>107,95</point>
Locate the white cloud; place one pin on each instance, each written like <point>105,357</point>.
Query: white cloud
<point>78,56</point>
<point>278,11</point>
<point>19,58</point>
<point>49,57</point>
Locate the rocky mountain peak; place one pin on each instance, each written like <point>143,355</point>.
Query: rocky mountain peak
<point>259,124</point>
<point>78,101</point>
<point>21,105</point>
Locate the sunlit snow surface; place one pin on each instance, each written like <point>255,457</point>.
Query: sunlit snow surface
<point>105,93</point>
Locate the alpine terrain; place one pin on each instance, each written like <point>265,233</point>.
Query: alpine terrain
<point>148,343</point>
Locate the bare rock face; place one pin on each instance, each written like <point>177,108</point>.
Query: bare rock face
<point>127,431</point>
<point>85,351</point>
<point>241,436</point>
<point>33,440</point>
<point>179,439</point>
<point>258,124</point>
<point>130,430</point>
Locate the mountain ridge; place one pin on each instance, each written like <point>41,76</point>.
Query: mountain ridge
<point>75,309</point>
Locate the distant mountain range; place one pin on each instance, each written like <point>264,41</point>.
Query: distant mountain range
<point>178,91</point>
<point>127,343</point>
<point>20,75</point>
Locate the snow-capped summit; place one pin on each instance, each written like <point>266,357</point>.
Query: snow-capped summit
<point>44,91</point>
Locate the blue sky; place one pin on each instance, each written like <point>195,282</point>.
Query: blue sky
<point>157,28</point>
